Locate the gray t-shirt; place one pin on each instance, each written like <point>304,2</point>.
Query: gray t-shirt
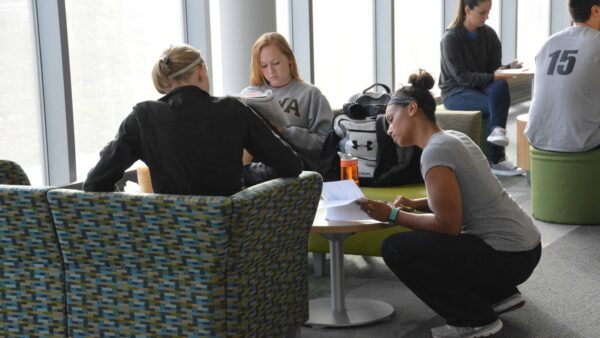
<point>488,211</point>
<point>565,108</point>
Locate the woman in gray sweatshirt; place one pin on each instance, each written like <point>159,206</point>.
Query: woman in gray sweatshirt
<point>273,66</point>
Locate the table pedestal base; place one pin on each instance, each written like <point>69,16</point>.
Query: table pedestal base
<point>358,311</point>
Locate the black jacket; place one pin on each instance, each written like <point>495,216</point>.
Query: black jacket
<point>192,142</point>
<point>469,63</point>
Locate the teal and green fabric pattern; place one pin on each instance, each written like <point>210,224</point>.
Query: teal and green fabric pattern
<point>32,297</point>
<point>143,264</point>
<point>12,173</point>
<point>267,294</point>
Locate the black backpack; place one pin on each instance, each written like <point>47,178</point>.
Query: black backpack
<point>361,130</point>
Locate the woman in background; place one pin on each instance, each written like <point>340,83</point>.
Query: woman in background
<point>273,66</point>
<point>471,55</point>
<point>191,141</point>
<point>473,244</point>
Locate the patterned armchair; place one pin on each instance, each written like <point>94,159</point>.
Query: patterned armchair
<point>267,292</point>
<point>170,265</point>
<point>32,295</point>
<point>12,173</point>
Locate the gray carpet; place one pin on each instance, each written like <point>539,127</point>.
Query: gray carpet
<point>563,294</point>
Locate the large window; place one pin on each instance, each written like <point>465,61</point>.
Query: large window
<point>20,116</point>
<point>533,24</point>
<point>282,10</point>
<point>216,68</point>
<point>343,48</point>
<point>113,45</point>
<point>417,40</point>
<point>494,17</point>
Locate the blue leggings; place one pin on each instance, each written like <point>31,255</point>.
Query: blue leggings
<point>493,101</point>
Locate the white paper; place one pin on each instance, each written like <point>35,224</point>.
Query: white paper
<point>348,212</point>
<point>515,72</point>
<point>131,187</point>
<point>339,198</point>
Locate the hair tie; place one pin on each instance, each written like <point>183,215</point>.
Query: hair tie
<point>185,69</point>
<point>400,99</point>
<point>166,60</point>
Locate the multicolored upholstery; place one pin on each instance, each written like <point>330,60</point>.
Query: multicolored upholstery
<point>32,296</point>
<point>12,173</point>
<point>143,264</point>
<point>267,289</point>
<point>168,265</point>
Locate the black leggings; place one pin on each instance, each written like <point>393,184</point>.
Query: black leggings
<point>459,277</point>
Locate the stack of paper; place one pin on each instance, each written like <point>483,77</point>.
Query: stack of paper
<point>339,198</point>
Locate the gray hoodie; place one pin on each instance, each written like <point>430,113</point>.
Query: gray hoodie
<point>468,62</point>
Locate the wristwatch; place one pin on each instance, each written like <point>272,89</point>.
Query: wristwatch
<point>393,215</point>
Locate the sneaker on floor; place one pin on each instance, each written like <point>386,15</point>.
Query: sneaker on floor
<point>449,331</point>
<point>508,304</point>
<point>506,168</point>
<point>498,137</point>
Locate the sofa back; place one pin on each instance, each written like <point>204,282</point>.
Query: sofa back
<point>12,173</point>
<point>143,264</point>
<point>267,268</point>
<point>32,296</point>
<point>467,122</point>
<point>169,265</point>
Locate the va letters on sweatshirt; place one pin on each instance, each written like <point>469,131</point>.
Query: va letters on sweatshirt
<point>290,106</point>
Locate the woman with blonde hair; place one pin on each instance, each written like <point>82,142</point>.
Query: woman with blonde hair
<point>191,141</point>
<point>273,66</point>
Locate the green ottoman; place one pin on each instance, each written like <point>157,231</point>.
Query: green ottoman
<point>565,187</point>
<point>365,243</point>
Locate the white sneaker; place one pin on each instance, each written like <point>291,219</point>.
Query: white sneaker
<point>508,304</point>
<point>449,331</point>
<point>506,168</point>
<point>498,137</point>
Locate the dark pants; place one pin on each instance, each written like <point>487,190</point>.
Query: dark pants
<point>459,277</point>
<point>493,102</point>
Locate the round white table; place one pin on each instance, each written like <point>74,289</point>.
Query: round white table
<point>337,310</point>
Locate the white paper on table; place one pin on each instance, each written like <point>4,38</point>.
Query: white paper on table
<point>516,71</point>
<point>131,187</point>
<point>339,198</point>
